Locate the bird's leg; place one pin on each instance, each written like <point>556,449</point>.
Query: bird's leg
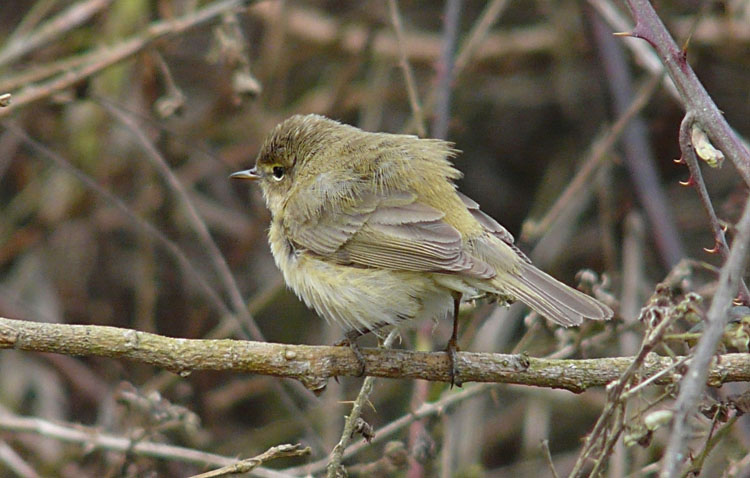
<point>350,340</point>
<point>452,346</point>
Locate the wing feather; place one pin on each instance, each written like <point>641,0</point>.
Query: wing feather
<point>492,226</point>
<point>395,232</point>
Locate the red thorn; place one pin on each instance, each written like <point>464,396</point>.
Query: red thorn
<point>680,160</point>
<point>623,34</point>
<point>724,227</point>
<point>713,250</point>
<point>690,182</point>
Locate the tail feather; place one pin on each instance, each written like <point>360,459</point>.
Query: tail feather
<point>553,299</point>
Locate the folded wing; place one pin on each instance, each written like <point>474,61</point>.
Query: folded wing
<point>392,231</point>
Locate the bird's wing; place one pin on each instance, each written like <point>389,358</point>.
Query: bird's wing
<point>392,231</point>
<point>492,226</point>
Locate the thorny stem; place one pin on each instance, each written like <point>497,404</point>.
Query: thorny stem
<point>696,180</point>
<point>694,96</point>
<point>697,101</point>
<point>701,108</point>
<point>718,316</point>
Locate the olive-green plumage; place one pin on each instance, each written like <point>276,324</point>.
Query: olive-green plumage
<point>369,229</point>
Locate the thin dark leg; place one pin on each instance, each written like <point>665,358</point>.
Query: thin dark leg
<point>351,337</point>
<point>452,346</point>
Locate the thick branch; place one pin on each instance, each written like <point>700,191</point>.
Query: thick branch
<point>314,365</point>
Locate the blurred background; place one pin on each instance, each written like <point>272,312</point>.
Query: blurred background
<point>115,209</point>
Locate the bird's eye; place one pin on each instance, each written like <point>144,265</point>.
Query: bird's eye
<point>278,173</point>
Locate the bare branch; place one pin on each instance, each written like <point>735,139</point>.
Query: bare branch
<point>694,383</point>
<point>94,438</point>
<point>314,365</point>
<point>248,465</point>
<point>112,55</point>
<point>68,19</point>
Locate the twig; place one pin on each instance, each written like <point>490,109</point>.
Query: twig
<point>711,441</point>
<point>548,457</point>
<point>66,20</point>
<point>652,379</point>
<point>141,224</point>
<point>696,180</point>
<point>109,56</point>
<point>249,464</point>
<point>595,157</point>
<point>419,395</point>
<point>40,71</point>
<point>425,410</point>
<point>694,96</point>
<point>313,27</point>
<point>411,87</point>
<point>14,462</point>
<point>613,411</point>
<point>173,100</point>
<point>246,321</point>
<point>639,158</point>
<point>447,453</point>
<point>335,468</point>
<point>718,317</point>
<point>478,33</point>
<point>95,438</point>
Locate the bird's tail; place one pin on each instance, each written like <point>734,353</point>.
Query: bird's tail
<point>553,299</point>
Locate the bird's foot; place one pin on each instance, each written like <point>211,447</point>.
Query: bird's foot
<point>451,349</point>
<point>351,342</point>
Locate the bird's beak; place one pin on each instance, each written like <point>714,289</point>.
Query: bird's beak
<point>251,174</point>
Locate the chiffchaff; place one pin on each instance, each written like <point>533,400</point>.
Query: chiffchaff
<point>369,230</point>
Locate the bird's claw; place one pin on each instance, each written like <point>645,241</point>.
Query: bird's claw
<point>352,344</point>
<point>451,349</point>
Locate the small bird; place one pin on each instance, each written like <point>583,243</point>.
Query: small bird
<point>370,231</point>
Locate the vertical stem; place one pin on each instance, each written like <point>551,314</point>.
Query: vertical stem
<point>694,383</point>
<point>445,69</point>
